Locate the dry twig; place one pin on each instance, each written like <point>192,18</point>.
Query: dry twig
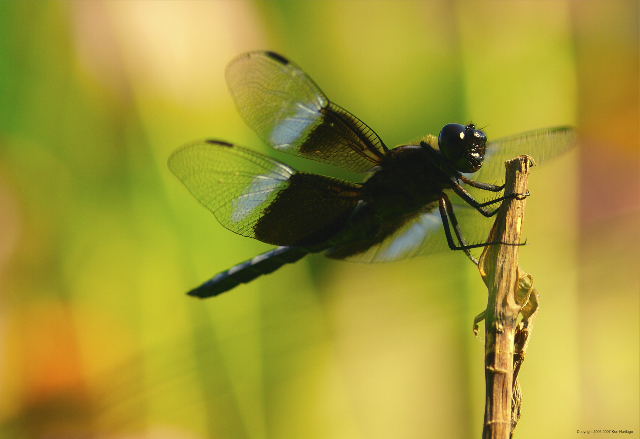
<point>511,293</point>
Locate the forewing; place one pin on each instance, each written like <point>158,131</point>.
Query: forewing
<point>542,145</point>
<point>289,112</point>
<point>421,235</point>
<point>258,197</point>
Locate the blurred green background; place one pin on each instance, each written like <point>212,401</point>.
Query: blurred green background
<point>99,241</point>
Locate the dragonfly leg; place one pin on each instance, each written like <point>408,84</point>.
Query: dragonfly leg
<point>480,207</point>
<point>448,216</point>
<point>481,185</point>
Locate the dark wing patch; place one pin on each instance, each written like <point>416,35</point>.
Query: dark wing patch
<point>258,197</point>
<point>310,210</point>
<point>289,112</point>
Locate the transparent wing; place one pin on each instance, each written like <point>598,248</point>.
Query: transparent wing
<point>289,112</point>
<point>258,197</point>
<point>542,145</point>
<point>421,235</point>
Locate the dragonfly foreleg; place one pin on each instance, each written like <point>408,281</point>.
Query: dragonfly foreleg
<point>481,185</point>
<point>480,207</point>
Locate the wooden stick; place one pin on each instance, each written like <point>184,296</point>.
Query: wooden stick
<point>529,297</point>
<point>508,293</point>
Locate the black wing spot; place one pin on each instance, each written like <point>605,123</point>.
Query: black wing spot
<point>278,58</point>
<point>219,142</point>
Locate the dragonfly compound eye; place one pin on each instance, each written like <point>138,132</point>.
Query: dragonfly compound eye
<point>463,145</point>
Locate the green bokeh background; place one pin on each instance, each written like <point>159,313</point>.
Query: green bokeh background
<point>99,241</point>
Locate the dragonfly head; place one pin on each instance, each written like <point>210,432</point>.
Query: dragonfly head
<point>463,145</point>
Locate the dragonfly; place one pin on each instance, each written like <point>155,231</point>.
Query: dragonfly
<point>414,199</point>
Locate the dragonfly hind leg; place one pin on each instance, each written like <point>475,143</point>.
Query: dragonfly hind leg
<point>448,216</point>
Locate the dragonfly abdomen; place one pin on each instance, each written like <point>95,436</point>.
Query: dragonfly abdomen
<point>249,270</point>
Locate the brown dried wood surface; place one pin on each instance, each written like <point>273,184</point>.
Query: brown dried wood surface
<point>498,266</point>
